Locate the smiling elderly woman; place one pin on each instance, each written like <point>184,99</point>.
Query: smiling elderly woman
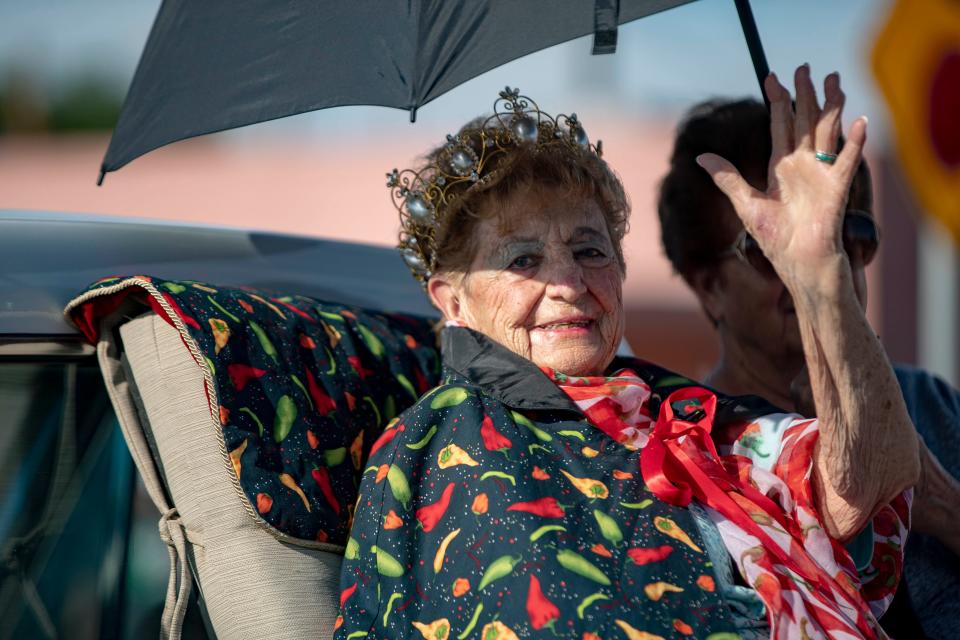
<point>551,488</point>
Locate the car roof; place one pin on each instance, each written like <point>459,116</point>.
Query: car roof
<point>47,258</point>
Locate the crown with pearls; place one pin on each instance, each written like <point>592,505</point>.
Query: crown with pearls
<point>426,197</point>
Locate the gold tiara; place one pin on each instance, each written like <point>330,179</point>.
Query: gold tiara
<point>426,197</point>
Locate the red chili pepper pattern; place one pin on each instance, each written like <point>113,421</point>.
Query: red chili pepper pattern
<point>490,550</point>
<point>431,514</point>
<point>646,556</point>
<point>319,374</point>
<point>322,477</point>
<point>542,612</point>
<point>552,542</point>
<point>323,402</point>
<point>544,507</point>
<point>242,374</point>
<point>493,440</point>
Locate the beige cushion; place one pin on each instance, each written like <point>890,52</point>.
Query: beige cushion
<point>254,585</point>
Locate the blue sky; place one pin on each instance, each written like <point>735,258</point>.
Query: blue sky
<point>663,63</point>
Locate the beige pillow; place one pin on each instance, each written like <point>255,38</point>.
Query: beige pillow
<point>254,584</point>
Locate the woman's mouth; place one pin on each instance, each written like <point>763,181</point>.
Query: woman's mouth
<point>567,325</point>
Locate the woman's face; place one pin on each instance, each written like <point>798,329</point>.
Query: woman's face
<point>755,313</point>
<point>545,282</point>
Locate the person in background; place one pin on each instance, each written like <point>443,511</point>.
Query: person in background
<point>761,351</point>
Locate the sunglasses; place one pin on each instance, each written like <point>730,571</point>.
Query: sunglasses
<point>861,237</point>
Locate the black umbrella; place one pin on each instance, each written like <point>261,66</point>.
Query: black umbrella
<point>210,65</point>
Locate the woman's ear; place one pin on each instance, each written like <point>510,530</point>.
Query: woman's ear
<point>707,284</point>
<point>444,292</point>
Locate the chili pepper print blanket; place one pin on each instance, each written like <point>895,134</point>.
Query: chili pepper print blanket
<point>299,388</point>
<point>475,521</point>
<point>479,521</point>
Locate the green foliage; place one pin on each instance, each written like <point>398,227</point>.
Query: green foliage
<point>87,103</point>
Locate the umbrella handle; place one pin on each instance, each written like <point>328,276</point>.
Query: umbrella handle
<point>752,36</point>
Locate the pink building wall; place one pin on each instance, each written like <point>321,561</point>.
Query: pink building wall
<point>337,190</point>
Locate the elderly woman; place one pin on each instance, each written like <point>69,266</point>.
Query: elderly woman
<point>761,351</point>
<point>550,488</point>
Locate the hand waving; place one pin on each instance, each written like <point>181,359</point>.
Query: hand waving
<point>797,221</point>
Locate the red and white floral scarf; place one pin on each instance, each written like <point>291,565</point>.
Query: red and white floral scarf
<point>762,506</point>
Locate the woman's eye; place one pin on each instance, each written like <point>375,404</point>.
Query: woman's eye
<point>590,253</point>
<point>523,262</point>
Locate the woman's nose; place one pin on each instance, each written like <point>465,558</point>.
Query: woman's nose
<point>564,280</point>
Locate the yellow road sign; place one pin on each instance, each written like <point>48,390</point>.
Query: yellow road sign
<point>916,61</point>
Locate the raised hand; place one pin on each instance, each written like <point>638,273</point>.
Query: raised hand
<point>797,221</point>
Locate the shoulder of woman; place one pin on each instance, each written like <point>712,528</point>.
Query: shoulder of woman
<point>921,387</point>
<point>436,412</point>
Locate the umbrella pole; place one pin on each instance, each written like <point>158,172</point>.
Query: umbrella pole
<point>752,37</point>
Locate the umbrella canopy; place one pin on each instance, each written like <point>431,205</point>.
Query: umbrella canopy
<point>209,66</point>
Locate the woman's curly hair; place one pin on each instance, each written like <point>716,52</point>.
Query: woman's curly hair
<point>561,166</point>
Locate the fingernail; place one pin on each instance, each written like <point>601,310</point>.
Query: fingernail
<point>866,120</point>
<point>700,159</point>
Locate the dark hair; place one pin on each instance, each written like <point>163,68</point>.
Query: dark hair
<point>558,165</point>
<point>695,223</point>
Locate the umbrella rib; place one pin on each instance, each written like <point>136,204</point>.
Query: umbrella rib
<point>415,76</point>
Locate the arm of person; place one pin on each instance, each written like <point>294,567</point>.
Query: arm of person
<point>937,501</point>
<point>867,451</point>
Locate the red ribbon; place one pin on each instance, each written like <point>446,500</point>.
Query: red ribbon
<point>680,462</point>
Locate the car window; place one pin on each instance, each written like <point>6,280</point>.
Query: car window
<point>79,551</point>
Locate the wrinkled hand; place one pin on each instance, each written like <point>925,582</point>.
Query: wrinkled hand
<point>797,221</point>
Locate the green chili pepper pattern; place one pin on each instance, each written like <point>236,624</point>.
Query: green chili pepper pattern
<point>448,398</point>
<point>608,527</point>
<point>396,595</point>
<point>472,624</point>
<point>545,529</point>
<point>265,343</point>
<point>352,551</point>
<point>284,418</point>
<point>499,568</point>
<point>302,398</point>
<point>253,417</point>
<point>499,474</point>
<point>516,517</point>
<point>399,486</point>
<point>581,566</point>
<point>373,342</point>
<point>389,408</point>
<point>359,376</point>
<point>386,564</point>
<point>302,388</point>
<point>643,504</point>
<point>333,457</point>
<point>425,441</point>
<point>329,316</point>
<point>407,385</point>
<point>217,306</point>
<point>542,435</point>
<point>589,600</point>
